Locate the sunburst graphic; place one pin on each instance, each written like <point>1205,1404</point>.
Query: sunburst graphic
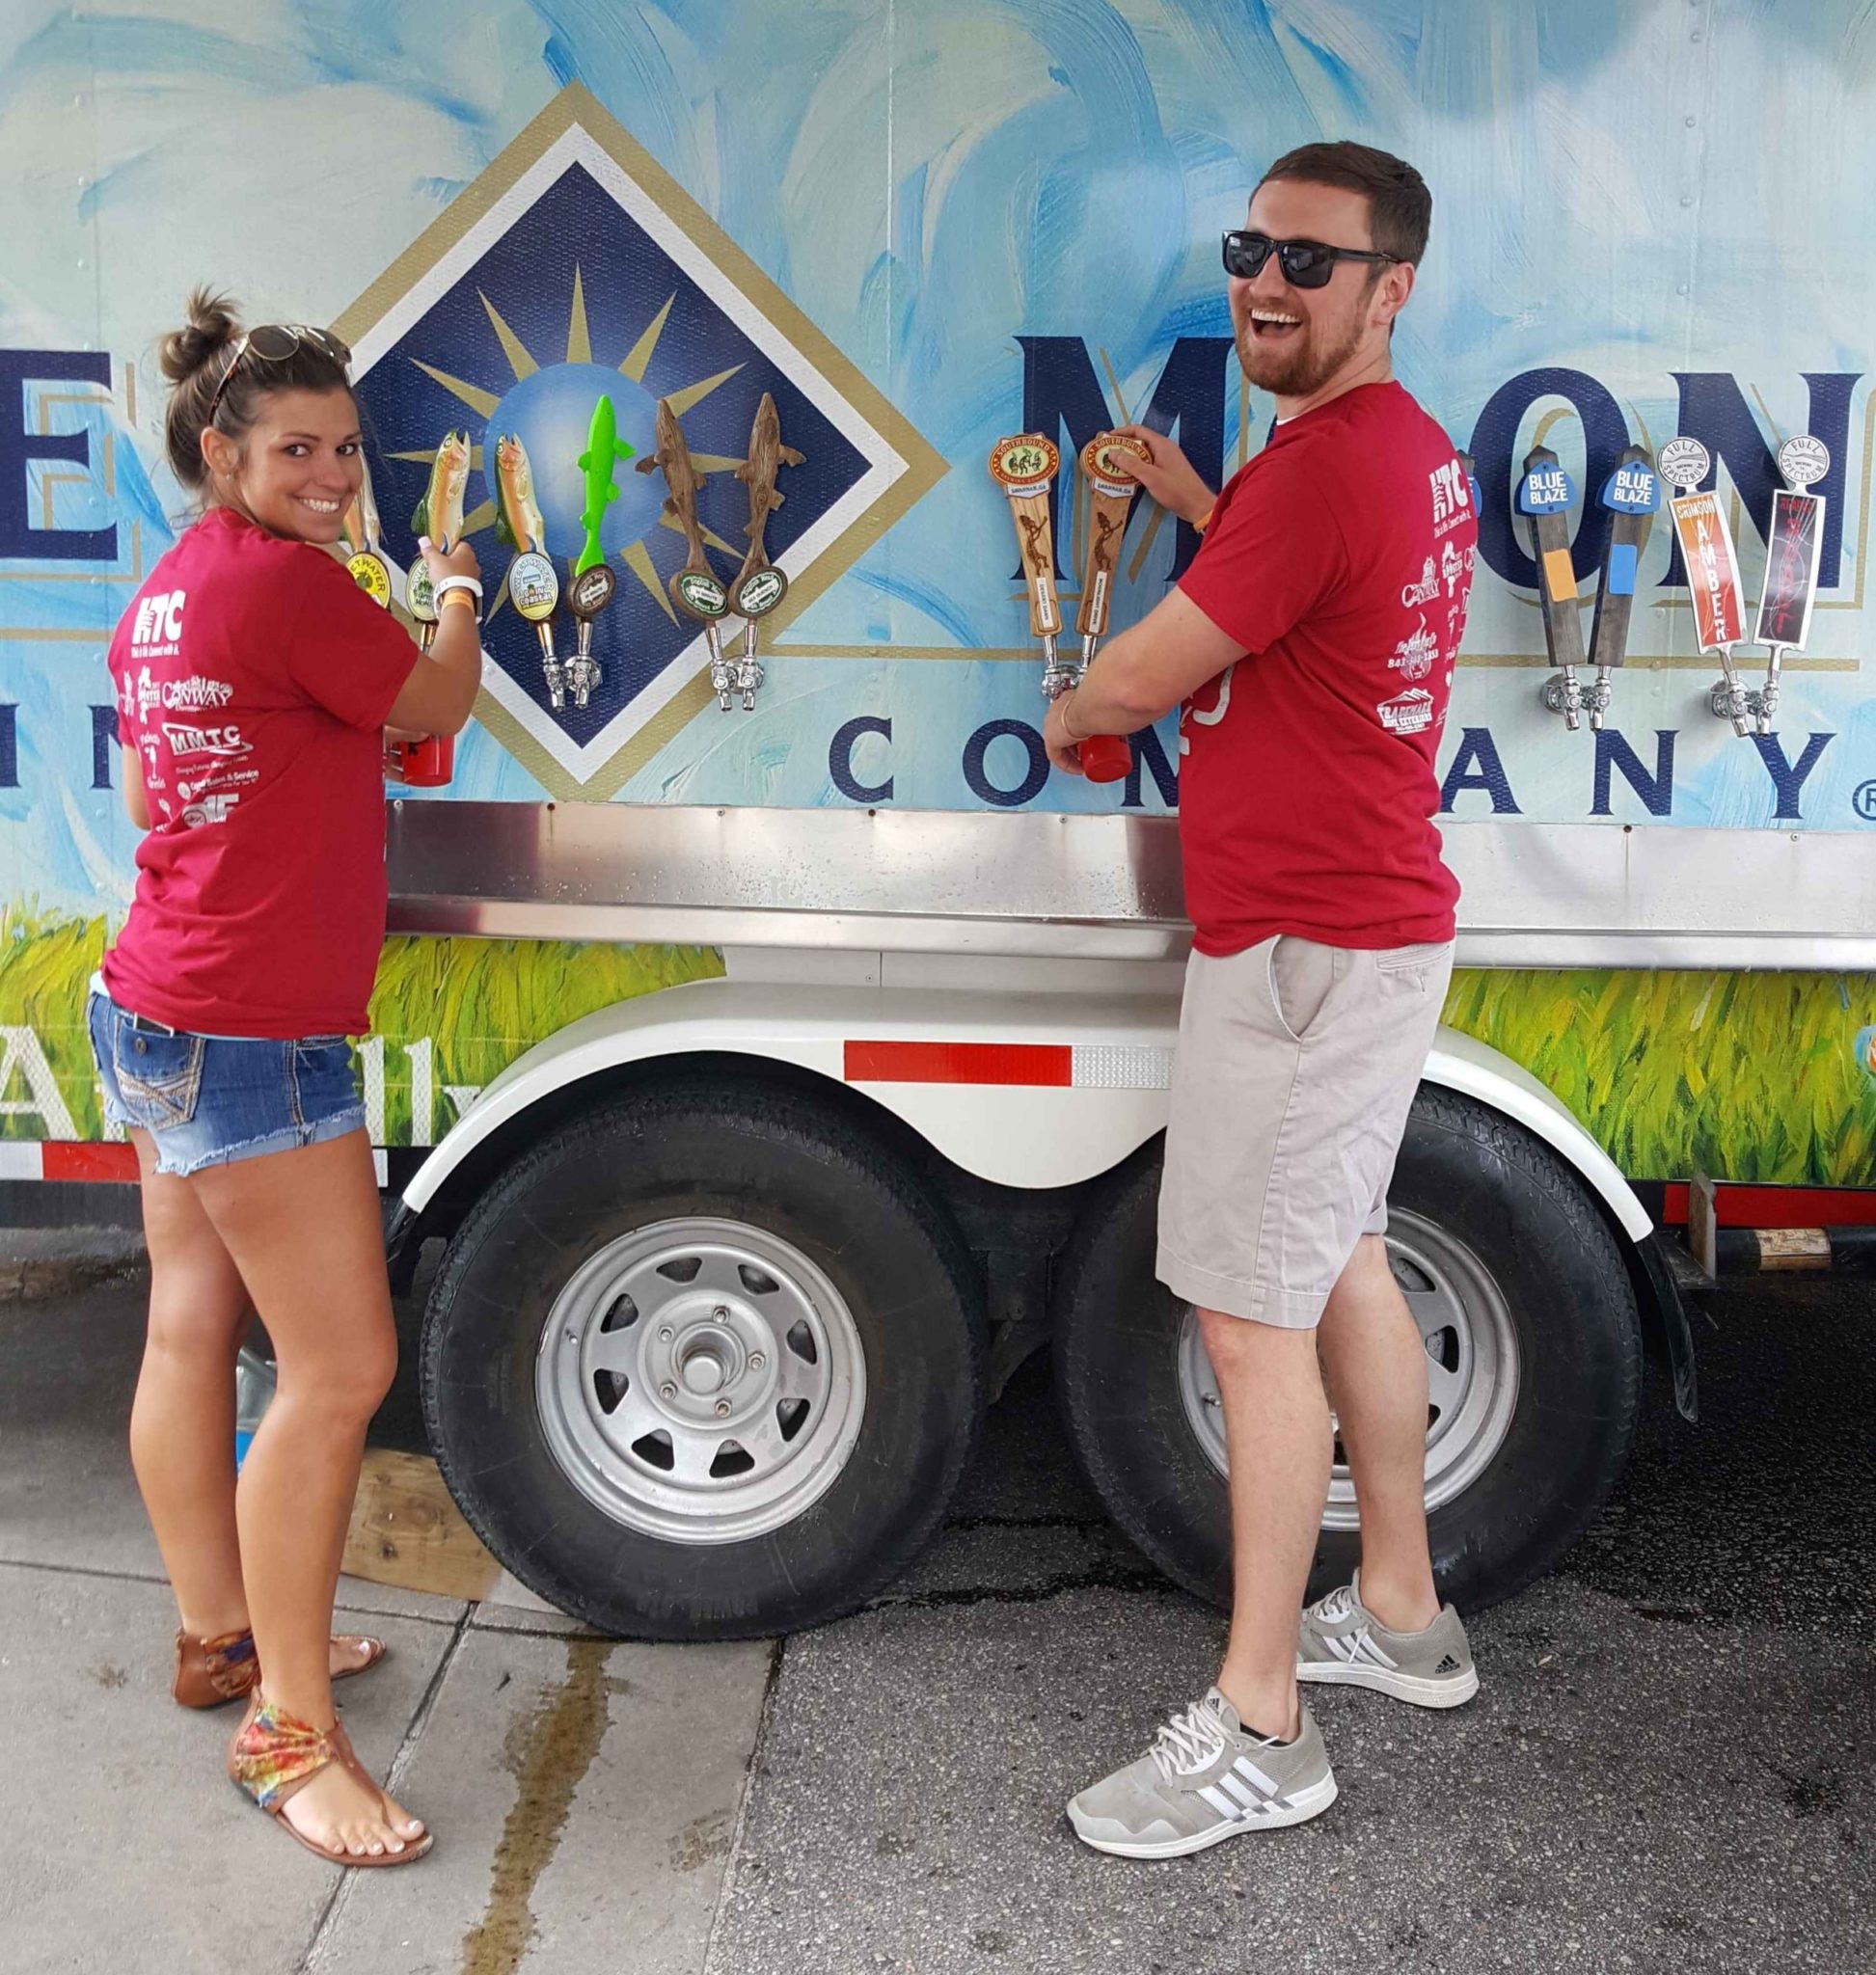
<point>548,408</point>
<point>574,266</point>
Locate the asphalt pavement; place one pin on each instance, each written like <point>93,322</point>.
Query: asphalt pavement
<point>1672,1761</point>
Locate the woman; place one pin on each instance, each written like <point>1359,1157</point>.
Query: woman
<point>255,680</point>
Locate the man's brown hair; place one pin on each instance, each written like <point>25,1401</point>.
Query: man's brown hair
<point>1399,206</point>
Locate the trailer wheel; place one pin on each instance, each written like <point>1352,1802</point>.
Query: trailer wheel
<point>1534,1349</point>
<point>703,1365</point>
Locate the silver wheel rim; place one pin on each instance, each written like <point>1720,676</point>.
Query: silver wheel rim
<point>701,1381</point>
<point>1472,1366</point>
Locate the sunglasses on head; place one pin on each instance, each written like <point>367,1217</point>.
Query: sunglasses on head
<point>273,342</point>
<point>1305,264</point>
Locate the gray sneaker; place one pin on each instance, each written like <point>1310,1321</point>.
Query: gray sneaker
<point>1342,1643</point>
<point>1201,1780</point>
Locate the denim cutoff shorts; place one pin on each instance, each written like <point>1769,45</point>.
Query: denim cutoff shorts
<point>206,1100</point>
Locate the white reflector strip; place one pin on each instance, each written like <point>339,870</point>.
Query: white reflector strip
<point>1121,1067</point>
<point>22,1159</point>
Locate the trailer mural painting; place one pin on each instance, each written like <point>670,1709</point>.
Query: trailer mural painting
<point>915,228</point>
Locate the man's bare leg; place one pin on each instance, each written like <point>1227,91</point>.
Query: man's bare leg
<point>1277,1429</point>
<point>1377,1376</point>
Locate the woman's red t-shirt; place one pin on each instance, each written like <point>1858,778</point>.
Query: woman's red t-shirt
<point>253,678</point>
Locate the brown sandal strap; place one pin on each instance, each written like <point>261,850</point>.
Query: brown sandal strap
<point>211,1672</point>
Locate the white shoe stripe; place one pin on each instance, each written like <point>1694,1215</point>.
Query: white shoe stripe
<point>1230,1782</point>
<point>1221,1804</point>
<point>1249,1770</point>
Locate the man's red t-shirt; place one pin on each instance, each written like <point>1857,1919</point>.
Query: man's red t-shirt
<point>253,678</point>
<point>1341,560</point>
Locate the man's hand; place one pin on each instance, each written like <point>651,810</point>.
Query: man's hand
<point>1169,476</point>
<point>1063,749</point>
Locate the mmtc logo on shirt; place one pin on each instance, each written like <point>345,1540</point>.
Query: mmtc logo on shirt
<point>575,267</point>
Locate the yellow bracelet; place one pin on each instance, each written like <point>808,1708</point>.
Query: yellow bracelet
<point>462,597</point>
<point>1204,521</point>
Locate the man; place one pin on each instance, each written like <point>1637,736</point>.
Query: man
<point>1311,643</point>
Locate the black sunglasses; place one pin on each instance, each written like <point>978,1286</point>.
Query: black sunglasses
<point>273,342</point>
<point>1305,264</point>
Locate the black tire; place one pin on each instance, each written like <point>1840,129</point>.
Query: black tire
<point>1483,1182</point>
<point>775,1164</point>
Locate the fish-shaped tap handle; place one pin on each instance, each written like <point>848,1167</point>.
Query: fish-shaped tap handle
<point>604,450</point>
<point>759,584</point>
<point>694,588</point>
<point>438,514</point>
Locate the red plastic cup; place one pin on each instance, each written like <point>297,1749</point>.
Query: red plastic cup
<point>1106,758</point>
<point>425,764</point>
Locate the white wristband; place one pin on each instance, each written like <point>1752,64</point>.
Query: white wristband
<point>457,582</point>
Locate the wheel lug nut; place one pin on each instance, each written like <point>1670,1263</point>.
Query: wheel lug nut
<point>665,1334</point>
<point>667,1391</point>
<point>756,1361</point>
<point>723,1409</point>
<point>720,1314</point>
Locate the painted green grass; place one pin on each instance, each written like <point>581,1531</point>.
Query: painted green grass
<point>1744,1076</point>
<point>45,962</point>
<point>482,1001</point>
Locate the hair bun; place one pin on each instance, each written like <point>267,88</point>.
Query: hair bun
<point>211,327</point>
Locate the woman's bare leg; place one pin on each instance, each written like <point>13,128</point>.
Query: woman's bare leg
<point>303,1228</point>
<point>182,1421</point>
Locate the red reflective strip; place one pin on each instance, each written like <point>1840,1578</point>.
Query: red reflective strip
<point>961,1063</point>
<point>1778,1207</point>
<point>65,1159</point>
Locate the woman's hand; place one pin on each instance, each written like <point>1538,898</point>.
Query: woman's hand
<point>1169,476</point>
<point>459,561</point>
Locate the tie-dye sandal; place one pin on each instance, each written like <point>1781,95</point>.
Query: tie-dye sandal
<point>211,1672</point>
<point>274,1754</point>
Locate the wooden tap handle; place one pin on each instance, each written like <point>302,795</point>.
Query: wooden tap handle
<point>1025,466</point>
<point>1111,488</point>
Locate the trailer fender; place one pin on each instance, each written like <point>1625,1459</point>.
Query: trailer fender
<point>1022,1089</point>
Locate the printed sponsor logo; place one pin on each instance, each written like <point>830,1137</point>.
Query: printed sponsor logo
<point>158,630</point>
<point>210,809</point>
<point>1454,566</point>
<point>144,696</point>
<point>1425,590</point>
<point>1407,713</point>
<point>1451,497</point>
<point>1414,656</point>
<point>1209,715</point>
<point>223,741</point>
<point>1686,462</point>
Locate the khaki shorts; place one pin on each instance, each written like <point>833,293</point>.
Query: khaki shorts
<point>1296,1067</point>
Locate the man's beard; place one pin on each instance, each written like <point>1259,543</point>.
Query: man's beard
<point>1300,366</point>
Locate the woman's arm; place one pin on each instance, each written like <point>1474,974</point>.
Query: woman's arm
<point>439,694</point>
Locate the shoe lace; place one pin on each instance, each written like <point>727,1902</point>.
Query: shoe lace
<point>1338,1605</point>
<point>1187,1742</point>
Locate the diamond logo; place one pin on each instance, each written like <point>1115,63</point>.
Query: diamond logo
<point>574,269</point>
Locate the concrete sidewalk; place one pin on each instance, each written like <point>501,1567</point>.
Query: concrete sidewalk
<point>1672,1763</point>
<point>584,1794</point>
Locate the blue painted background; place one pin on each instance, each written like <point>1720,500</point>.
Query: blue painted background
<point>1636,194</point>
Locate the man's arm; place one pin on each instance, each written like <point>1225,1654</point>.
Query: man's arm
<point>1140,677</point>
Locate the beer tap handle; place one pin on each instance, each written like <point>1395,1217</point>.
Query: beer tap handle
<point>1631,495</point>
<point>1546,494</point>
<point>1712,570</point>
<point>759,585</point>
<point>694,588</point>
<point>1791,563</point>
<point>1111,488</point>
<point>533,583</point>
